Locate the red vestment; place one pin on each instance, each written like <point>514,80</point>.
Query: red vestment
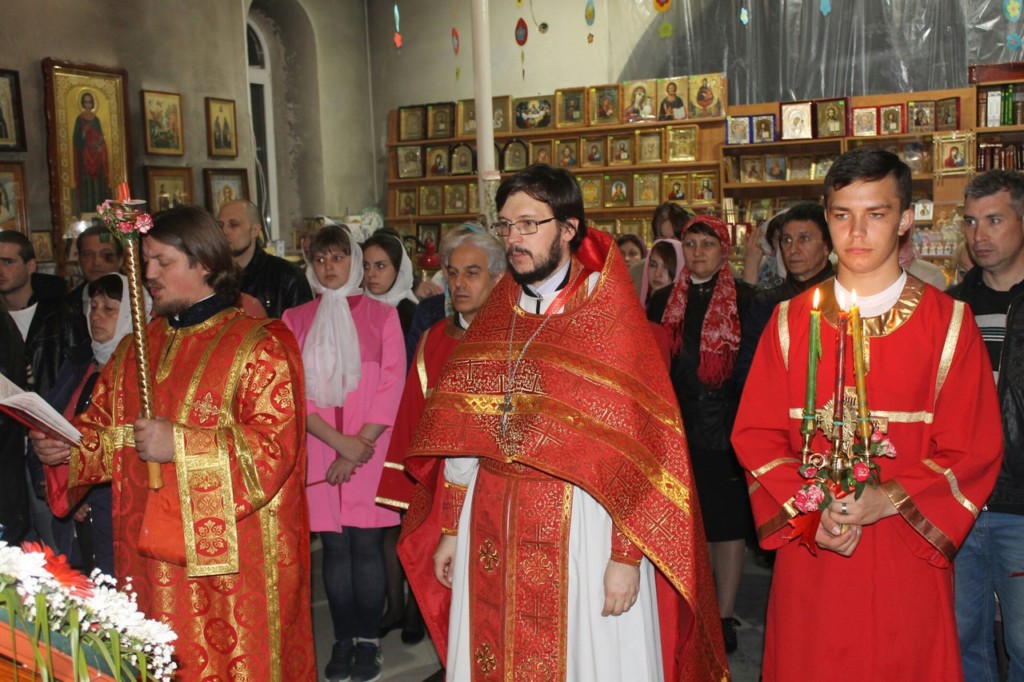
<point>589,410</point>
<point>221,552</point>
<point>886,612</point>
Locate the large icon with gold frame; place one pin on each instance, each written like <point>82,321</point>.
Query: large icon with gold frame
<point>681,143</point>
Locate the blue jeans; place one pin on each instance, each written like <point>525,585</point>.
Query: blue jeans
<point>355,578</point>
<point>992,551</point>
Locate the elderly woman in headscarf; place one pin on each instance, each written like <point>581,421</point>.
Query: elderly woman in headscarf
<point>701,313</point>
<point>83,529</point>
<point>353,355</point>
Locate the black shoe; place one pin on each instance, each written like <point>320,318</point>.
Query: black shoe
<point>339,669</point>
<point>729,634</point>
<point>366,665</point>
<point>387,625</point>
<point>414,629</point>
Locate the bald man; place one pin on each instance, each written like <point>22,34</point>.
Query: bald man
<point>273,281</point>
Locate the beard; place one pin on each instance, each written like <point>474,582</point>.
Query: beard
<point>543,268</point>
<point>170,308</point>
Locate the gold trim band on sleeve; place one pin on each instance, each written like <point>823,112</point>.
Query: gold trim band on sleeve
<point>954,486</point>
<point>949,347</point>
<point>909,511</point>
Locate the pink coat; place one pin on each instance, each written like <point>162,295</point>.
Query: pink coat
<point>375,401</point>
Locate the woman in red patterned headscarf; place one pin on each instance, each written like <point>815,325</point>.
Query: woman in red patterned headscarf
<point>702,317</point>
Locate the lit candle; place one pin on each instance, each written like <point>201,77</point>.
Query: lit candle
<point>840,370</point>
<point>813,355</point>
<point>857,329</point>
<point>122,192</point>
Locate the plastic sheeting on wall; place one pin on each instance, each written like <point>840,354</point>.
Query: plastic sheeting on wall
<point>791,50</point>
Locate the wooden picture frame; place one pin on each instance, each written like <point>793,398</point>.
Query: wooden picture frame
<point>648,146</point>
<point>675,187</point>
<point>893,119</point>
<point>672,96</point>
<point>461,162</point>
<point>953,154</point>
<point>774,168</point>
<point>830,117</point>
<point>168,187</point>
<point>708,95</point>
<point>12,117</point>
<point>681,143</point>
<point>465,117</point>
<point>163,127</point>
<point>515,156</point>
<point>42,244</point>
<point>799,168</point>
<point>13,211</point>
<point>89,145</point>
<point>405,201</point>
<point>738,130</point>
<point>411,124</point>
<point>430,200</point>
<point>541,151</point>
<point>591,186</point>
<point>593,151</point>
<point>617,191</point>
<point>533,113</point>
<point>473,201</point>
<point>865,121</point>
<point>765,128</point>
<point>638,101</point>
<point>435,161</point>
<point>947,114</point>
<point>440,120</point>
<point>603,105</point>
<point>796,118</point>
<point>646,189</point>
<point>704,191</point>
<point>751,169</point>
<point>501,113</point>
<point>410,161</point>
<point>620,150</point>
<point>223,185</point>
<point>455,200</point>
<point>567,153</point>
<point>570,107</point>
<point>921,116</point>
<point>221,128</point>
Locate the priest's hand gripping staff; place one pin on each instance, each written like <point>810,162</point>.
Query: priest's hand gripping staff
<point>846,466</point>
<point>126,221</point>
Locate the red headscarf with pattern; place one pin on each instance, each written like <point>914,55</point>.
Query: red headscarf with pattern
<point>720,335</point>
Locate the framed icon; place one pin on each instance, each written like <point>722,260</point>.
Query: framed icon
<point>514,157</point>
<point>567,153</point>
<point>830,117</point>
<point>223,185</point>
<point>774,168</point>
<point>672,95</point>
<point>751,169</point>
<point>42,244</point>
<point>437,159</point>
<point>411,124</point>
<point>620,150</point>
<point>765,129</point>
<point>822,165</point>
<point>405,202</point>
<point>707,95</point>
<point>501,113</point>
<point>921,116</point>
<point>865,121</point>
<point>168,187</point>
<point>796,120</point>
<point>465,116</point>
<point>541,152</point>
<point>533,113</point>
<point>410,161</point>
<point>616,191</point>
<point>638,101</point>
<point>603,103</point>
<point>428,233</point>
<point>440,120</point>
<point>461,162</point>
<point>591,188</point>
<point>953,154</point>
<point>593,151</point>
<point>455,200</point>
<point>221,128</point>
<point>894,119</point>
<point>705,188</point>
<point>570,107</point>
<point>646,189</point>
<point>13,210</point>
<point>947,114</point>
<point>675,186</point>
<point>12,135</point>
<point>799,168</point>
<point>164,131</point>
<point>737,130</point>
<point>682,143</point>
<point>648,146</point>
<point>430,200</point>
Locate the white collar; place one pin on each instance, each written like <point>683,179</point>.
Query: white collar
<point>876,304</point>
<point>550,285</point>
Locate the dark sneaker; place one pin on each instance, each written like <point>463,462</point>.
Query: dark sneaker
<point>729,634</point>
<point>366,665</point>
<point>339,669</point>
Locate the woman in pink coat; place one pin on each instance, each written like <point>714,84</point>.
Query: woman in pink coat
<point>354,359</point>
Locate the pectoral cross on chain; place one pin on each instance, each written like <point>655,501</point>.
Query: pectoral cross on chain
<point>506,408</point>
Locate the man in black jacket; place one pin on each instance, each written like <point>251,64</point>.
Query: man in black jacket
<point>99,253</point>
<point>273,281</point>
<point>994,549</point>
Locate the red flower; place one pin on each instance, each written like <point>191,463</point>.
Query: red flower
<point>810,472</point>
<point>861,471</point>
<point>808,498</point>
<point>57,565</point>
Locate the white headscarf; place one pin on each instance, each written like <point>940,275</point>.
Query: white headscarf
<point>333,365</point>
<point>402,288</point>
<point>103,350</point>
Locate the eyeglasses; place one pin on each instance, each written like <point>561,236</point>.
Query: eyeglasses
<point>503,228</point>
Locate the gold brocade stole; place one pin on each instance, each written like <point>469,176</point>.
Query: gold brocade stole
<point>518,573</point>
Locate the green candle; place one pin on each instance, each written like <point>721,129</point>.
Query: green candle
<point>807,427</point>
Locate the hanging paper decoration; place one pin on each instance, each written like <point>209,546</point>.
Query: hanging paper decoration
<point>455,40</point>
<point>1013,42</point>
<point>522,32</point>
<point>1012,9</point>
<point>826,7</point>
<point>665,30</point>
<point>590,13</point>
<point>744,16</point>
<point>662,5</point>
<point>398,30</point>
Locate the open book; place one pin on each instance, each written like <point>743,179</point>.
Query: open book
<point>34,412</point>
